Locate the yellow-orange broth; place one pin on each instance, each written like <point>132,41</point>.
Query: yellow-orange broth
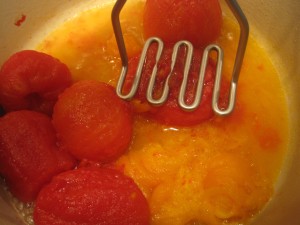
<point>221,171</point>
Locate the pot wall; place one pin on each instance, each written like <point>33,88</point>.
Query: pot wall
<point>274,22</point>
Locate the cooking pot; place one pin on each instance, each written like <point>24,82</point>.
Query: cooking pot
<point>274,23</point>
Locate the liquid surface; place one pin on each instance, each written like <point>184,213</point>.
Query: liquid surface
<point>222,171</point>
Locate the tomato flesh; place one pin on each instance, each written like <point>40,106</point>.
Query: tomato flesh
<point>29,157</point>
<point>32,80</point>
<point>198,21</point>
<point>91,196</point>
<point>92,122</point>
<point>171,113</point>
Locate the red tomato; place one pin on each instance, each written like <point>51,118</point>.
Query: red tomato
<point>198,21</point>
<point>1,111</point>
<point>32,80</point>
<point>93,122</point>
<point>29,156</point>
<point>170,113</point>
<point>91,196</point>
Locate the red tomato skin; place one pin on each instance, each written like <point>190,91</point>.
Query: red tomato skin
<point>92,122</point>
<point>29,156</point>
<point>170,112</point>
<point>91,196</point>
<point>32,80</point>
<point>198,21</point>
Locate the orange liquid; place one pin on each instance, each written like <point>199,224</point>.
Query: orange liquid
<point>223,170</point>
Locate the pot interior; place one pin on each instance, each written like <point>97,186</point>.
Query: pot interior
<point>274,23</point>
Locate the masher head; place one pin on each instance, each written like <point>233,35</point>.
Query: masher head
<point>244,33</point>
